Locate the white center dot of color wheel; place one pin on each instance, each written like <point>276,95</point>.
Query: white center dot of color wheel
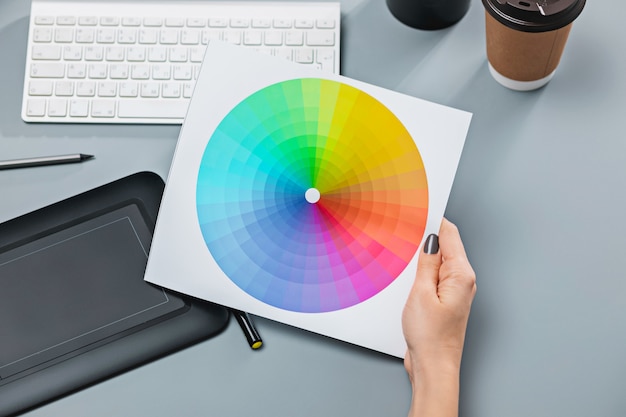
<point>312,195</point>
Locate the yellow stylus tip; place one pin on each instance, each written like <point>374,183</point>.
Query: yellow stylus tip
<point>257,345</point>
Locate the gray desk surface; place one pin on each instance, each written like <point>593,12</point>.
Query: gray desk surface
<point>539,198</point>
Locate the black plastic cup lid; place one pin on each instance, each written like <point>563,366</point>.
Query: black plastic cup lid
<point>534,15</point>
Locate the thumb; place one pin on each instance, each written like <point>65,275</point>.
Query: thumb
<point>427,276</point>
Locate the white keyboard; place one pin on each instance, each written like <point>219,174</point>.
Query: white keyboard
<point>116,61</point>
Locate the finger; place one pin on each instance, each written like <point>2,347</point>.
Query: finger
<point>457,266</point>
<point>451,244</point>
<point>427,276</point>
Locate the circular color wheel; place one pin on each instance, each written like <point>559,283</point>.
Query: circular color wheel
<point>311,195</point>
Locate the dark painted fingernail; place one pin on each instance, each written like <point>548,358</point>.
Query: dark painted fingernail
<point>431,246</point>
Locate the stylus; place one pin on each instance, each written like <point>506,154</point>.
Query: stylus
<point>44,160</point>
<point>249,330</point>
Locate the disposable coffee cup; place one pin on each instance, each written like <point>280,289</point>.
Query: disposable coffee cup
<point>526,39</point>
<point>428,14</point>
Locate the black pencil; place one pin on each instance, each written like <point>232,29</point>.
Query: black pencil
<point>44,160</point>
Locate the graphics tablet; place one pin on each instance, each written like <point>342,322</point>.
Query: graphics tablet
<point>74,308</point>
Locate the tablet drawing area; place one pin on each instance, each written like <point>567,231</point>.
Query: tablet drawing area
<point>46,319</point>
<point>74,308</point>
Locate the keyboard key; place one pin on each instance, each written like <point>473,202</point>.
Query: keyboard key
<point>320,38</point>
<point>152,109</point>
<point>253,37</point>
<point>131,21</point>
<point>157,54</point>
<point>118,71</point>
<point>183,72</point>
<point>196,22</point>
<point>109,21</point>
<point>64,88</point>
<point>239,23</point>
<point>148,36</point>
<point>94,53</point>
<point>187,90</point>
<point>197,54</point>
<point>86,89</point>
<point>293,38</point>
<point>66,20</point>
<point>87,21</point>
<point>209,35</point>
<point>190,37</point>
<point>168,37</point>
<point>171,90</point>
<point>136,54</point>
<point>282,23</point>
<point>47,70</point>
<point>40,88</point>
<point>104,108</point>
<point>85,35</point>
<point>64,35</point>
<point>149,90</point>
<point>162,72</point>
<point>140,72</point>
<point>303,56</point>
<point>266,51</point>
<point>76,70</point>
<point>46,52</point>
<point>175,22</point>
<point>261,23</point>
<point>273,38</point>
<point>285,53</point>
<point>325,23</point>
<point>218,22</point>
<point>36,107</point>
<point>44,20</point>
<point>79,108</point>
<point>72,53</point>
<point>114,53</point>
<point>152,21</point>
<point>127,35</point>
<point>97,71</point>
<point>105,35</point>
<point>57,108</point>
<point>42,34</point>
<point>107,89</point>
<point>232,36</point>
<point>326,59</point>
<point>129,89</point>
<point>304,24</point>
<point>178,54</point>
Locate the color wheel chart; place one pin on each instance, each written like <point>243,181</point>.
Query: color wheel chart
<point>311,195</point>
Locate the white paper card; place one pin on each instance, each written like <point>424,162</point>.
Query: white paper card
<point>303,196</point>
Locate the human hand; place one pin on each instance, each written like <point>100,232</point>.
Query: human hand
<point>434,322</point>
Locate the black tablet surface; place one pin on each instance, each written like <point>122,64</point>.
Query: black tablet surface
<point>74,308</point>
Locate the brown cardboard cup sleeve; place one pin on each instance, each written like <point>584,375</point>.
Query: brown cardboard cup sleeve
<point>523,60</point>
